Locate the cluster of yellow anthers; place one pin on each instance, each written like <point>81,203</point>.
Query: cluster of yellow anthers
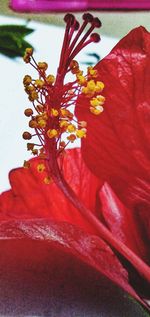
<point>90,87</point>
<point>51,121</point>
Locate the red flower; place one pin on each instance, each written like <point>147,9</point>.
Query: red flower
<point>57,199</point>
<point>33,210</point>
<point>117,145</point>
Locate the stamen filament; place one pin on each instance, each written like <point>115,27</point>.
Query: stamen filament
<point>80,45</point>
<point>78,49</point>
<point>80,31</point>
<point>65,42</point>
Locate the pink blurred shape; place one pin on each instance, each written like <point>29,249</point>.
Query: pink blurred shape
<point>76,5</point>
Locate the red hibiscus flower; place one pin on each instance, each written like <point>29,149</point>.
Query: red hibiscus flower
<point>116,147</point>
<point>56,198</point>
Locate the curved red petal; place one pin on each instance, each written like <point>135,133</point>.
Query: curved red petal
<point>121,223</point>
<point>45,281</point>
<point>118,141</point>
<point>30,197</point>
<point>68,239</point>
<point>34,200</point>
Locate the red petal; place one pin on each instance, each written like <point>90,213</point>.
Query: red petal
<point>45,281</point>
<point>30,197</point>
<point>117,147</point>
<point>121,223</point>
<point>68,239</point>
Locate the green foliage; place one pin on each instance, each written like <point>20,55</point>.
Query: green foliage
<point>12,42</point>
<point>95,59</point>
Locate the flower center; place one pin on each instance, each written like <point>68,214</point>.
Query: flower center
<point>53,100</point>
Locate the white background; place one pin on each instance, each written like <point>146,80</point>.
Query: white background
<point>47,41</point>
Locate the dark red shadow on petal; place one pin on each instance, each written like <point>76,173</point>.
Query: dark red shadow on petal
<point>87,248</point>
<point>38,279</point>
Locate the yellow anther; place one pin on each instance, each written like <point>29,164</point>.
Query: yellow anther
<point>29,89</point>
<point>26,164</point>
<point>83,124</point>
<point>50,79</point>
<point>71,128</point>
<point>27,80</point>
<point>26,59</point>
<point>29,51</point>
<point>41,123</point>
<point>28,112</point>
<point>52,133</point>
<point>30,146</point>
<point>45,116</point>
<point>100,108</point>
<point>35,152</point>
<point>39,108</point>
<point>89,90</point>
<point>85,90</point>
<point>41,116</point>
<point>91,86</point>
<point>54,112</point>
<point>81,79</point>
<point>33,95</point>
<point>66,113</point>
<point>39,83</point>
<point>26,135</point>
<point>96,110</point>
<point>101,99</point>
<point>97,101</point>
<point>63,124</point>
<point>99,86</point>
<point>28,54</point>
<point>40,167</point>
<point>71,138</point>
<point>94,102</point>
<point>33,124</point>
<point>81,133</point>
<point>92,72</point>
<point>80,72</point>
<point>47,180</point>
<point>42,66</point>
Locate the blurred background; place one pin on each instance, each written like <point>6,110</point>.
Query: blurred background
<point>115,23</point>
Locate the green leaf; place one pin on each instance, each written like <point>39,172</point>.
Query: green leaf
<point>12,43</point>
<point>95,57</point>
<point>21,30</point>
